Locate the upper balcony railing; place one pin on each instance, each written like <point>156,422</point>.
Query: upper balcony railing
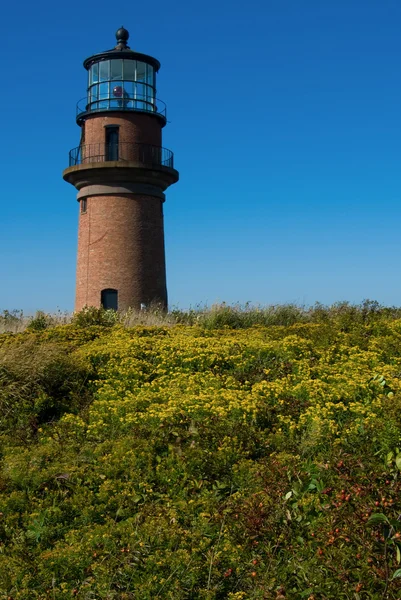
<point>144,154</point>
<point>133,103</point>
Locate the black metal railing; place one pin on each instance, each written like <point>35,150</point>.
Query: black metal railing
<point>143,154</point>
<point>136,103</point>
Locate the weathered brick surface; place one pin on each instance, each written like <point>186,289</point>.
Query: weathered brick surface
<point>121,246</point>
<point>133,127</point>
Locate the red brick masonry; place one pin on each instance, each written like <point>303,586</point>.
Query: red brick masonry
<point>121,246</point>
<point>133,127</point>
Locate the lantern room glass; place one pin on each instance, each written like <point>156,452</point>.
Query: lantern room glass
<point>122,84</point>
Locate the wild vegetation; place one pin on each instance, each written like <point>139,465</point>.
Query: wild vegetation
<point>236,453</point>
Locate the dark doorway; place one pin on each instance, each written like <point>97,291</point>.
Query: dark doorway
<point>109,299</point>
<point>112,142</point>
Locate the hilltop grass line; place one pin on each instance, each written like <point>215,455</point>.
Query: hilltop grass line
<point>235,316</point>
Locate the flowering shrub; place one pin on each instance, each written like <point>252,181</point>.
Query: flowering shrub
<point>192,462</point>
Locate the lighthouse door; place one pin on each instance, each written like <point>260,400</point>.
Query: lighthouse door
<point>112,143</point>
<point>109,299</point>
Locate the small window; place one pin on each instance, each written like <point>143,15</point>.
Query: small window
<point>109,299</point>
<point>84,205</point>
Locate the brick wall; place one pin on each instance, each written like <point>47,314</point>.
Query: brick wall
<point>121,246</point>
<point>133,127</point>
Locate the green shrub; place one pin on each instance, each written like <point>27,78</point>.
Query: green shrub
<point>91,315</point>
<point>40,322</point>
<point>39,382</point>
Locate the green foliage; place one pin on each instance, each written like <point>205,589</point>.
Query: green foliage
<point>346,316</point>
<point>242,454</point>
<point>95,316</point>
<point>241,317</point>
<point>39,382</point>
<point>40,322</point>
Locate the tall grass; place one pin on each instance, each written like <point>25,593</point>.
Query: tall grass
<point>15,321</point>
<point>217,316</point>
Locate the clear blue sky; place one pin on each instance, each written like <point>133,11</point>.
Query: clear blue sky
<point>286,128</point>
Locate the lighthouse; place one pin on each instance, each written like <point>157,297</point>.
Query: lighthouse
<point>121,171</point>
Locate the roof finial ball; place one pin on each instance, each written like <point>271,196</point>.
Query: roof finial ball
<point>122,36</point>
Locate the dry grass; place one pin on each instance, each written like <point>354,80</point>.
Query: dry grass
<point>16,322</point>
<point>149,318</point>
<point>235,316</point>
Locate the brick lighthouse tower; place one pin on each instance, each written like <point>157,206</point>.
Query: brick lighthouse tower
<point>121,172</point>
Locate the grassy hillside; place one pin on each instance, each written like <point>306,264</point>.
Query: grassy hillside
<point>230,453</point>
